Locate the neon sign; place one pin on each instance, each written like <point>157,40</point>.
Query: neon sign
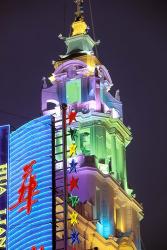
<point>3,185</point>
<point>30,206</point>
<point>4,144</point>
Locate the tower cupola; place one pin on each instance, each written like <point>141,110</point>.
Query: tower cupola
<point>79,42</point>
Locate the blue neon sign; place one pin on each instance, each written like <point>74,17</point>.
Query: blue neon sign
<point>31,142</point>
<point>4,148</point>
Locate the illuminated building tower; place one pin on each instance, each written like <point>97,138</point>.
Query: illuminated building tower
<point>108,214</point>
<point>111,215</point>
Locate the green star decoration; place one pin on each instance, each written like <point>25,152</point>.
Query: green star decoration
<point>73,133</point>
<point>74,200</point>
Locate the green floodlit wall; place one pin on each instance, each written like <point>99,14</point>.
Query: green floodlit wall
<point>73,91</point>
<point>104,143</point>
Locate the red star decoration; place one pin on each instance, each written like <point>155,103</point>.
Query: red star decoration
<point>73,183</point>
<point>72,116</point>
<point>74,248</point>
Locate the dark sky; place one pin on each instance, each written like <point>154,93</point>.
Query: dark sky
<point>133,47</point>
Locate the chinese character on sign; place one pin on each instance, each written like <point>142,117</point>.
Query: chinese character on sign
<point>27,189</point>
<point>34,248</point>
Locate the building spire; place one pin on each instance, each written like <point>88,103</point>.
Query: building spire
<point>79,11</point>
<point>79,26</point>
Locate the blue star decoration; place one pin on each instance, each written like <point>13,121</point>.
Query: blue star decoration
<point>74,237</point>
<point>73,166</point>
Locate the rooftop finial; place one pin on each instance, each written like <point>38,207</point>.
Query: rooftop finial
<point>79,26</point>
<point>79,11</point>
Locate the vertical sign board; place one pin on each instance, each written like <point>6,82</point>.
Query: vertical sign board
<point>30,209</point>
<point>4,145</point>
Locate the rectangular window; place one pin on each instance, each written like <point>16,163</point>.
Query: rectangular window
<point>73,91</point>
<point>119,219</point>
<point>98,204</point>
<point>85,141</point>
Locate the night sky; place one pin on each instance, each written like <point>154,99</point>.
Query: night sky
<point>133,47</point>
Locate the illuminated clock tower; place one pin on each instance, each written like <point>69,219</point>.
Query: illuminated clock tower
<point>108,213</point>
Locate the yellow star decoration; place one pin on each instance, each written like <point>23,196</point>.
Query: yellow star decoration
<point>73,148</point>
<point>73,217</point>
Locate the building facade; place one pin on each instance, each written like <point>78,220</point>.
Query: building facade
<point>106,214</point>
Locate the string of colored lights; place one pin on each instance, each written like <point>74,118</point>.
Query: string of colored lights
<point>73,200</point>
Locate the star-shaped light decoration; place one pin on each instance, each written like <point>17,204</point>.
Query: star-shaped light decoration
<point>73,148</point>
<point>73,133</point>
<point>74,200</point>
<point>74,183</point>
<point>73,166</point>
<point>74,237</point>
<point>73,218</point>
<point>72,116</point>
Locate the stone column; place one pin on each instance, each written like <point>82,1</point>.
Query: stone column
<point>113,156</point>
<point>125,184</point>
<point>121,163</point>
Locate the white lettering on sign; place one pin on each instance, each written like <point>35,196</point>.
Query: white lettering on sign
<point>3,187</point>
